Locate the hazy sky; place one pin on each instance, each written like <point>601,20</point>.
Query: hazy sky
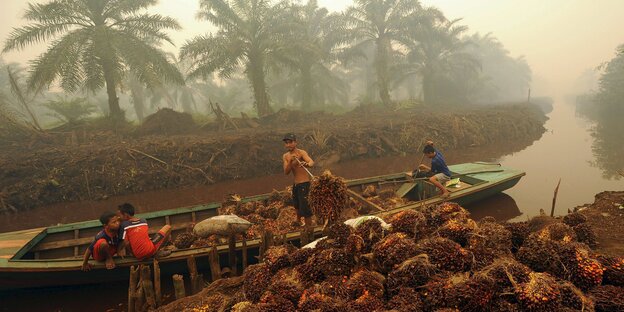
<point>559,38</point>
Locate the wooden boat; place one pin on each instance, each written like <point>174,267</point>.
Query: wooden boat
<point>52,256</point>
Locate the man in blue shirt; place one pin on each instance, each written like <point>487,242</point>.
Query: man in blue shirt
<point>439,172</point>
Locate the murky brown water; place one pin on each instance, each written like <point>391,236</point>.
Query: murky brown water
<point>563,152</point>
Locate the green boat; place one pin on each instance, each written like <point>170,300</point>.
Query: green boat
<point>52,256</point>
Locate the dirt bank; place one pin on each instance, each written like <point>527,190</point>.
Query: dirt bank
<point>606,216</point>
<point>99,164</point>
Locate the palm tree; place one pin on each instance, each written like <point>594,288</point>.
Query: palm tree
<point>436,51</point>
<point>247,36</point>
<point>95,43</point>
<point>383,22</point>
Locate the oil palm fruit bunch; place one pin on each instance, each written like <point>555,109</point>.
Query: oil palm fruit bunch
<point>405,300</point>
<point>559,232</point>
<point>444,253</point>
<point>519,232</point>
<point>184,240</point>
<point>318,302</point>
<point>613,270</point>
<point>256,279</point>
<point>369,191</point>
<point>490,241</point>
<point>502,268</point>
<point>408,221</point>
<point>278,257</point>
<point>608,298</point>
<point>301,256</point>
<point>540,293</point>
<point>271,302</point>
<point>328,196</point>
<point>338,232</point>
<point>540,254</point>
<point>441,213</point>
<point>574,219</point>
<point>365,303</point>
<point>585,234</point>
<point>574,298</point>
<point>371,232</point>
<point>458,230</point>
<point>473,293</point>
<point>578,267</point>
<point>288,289</point>
<point>331,262</point>
<point>334,286</point>
<point>393,249</point>
<point>413,272</point>
<point>365,280</point>
<point>436,293</point>
<point>354,244</point>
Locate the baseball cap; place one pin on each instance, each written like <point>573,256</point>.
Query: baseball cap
<point>290,136</point>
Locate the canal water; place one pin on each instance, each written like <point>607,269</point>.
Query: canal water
<point>564,152</point>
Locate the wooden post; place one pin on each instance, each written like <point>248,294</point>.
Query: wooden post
<point>132,287</point>
<point>139,301</point>
<point>552,210</point>
<point>199,283</point>
<point>192,268</point>
<point>178,286</point>
<point>232,252</point>
<point>244,249</point>
<point>157,289</point>
<point>304,237</point>
<point>267,241</point>
<point>148,286</point>
<point>215,266</point>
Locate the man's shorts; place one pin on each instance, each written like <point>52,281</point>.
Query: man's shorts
<point>96,250</point>
<point>154,243</point>
<point>442,178</point>
<point>300,199</point>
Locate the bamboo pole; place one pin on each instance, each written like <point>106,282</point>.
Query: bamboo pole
<point>192,268</point>
<point>552,210</point>
<point>178,286</point>
<point>148,286</point>
<point>157,285</point>
<point>215,266</point>
<point>132,287</point>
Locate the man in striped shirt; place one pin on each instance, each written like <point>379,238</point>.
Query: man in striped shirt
<point>134,232</point>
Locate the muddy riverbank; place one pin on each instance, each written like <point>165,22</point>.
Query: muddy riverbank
<point>96,165</point>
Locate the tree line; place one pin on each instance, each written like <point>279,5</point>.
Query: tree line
<point>287,52</point>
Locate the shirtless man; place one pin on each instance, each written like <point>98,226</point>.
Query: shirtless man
<point>294,161</point>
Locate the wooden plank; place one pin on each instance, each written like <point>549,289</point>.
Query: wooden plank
<point>363,200</point>
<point>76,236</point>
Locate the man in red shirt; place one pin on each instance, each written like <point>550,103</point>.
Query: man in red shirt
<point>134,232</point>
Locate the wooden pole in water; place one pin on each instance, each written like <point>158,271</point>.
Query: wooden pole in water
<point>552,210</point>
<point>178,286</point>
<point>132,287</point>
<point>192,267</point>
<point>148,286</point>
<point>157,289</point>
<point>215,266</point>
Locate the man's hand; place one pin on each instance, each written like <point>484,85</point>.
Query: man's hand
<point>423,167</point>
<point>86,266</point>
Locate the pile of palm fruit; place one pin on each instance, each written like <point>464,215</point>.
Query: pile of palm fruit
<point>437,259</point>
<point>385,198</point>
<point>275,214</point>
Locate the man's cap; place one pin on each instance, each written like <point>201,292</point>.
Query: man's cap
<point>290,136</point>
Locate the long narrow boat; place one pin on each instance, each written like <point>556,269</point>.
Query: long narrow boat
<point>51,256</point>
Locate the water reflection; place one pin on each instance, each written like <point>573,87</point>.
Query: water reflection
<point>501,206</point>
<point>608,146</point>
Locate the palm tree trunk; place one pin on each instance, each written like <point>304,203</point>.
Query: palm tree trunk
<point>138,99</point>
<point>113,101</point>
<point>427,81</point>
<point>381,65</point>
<point>255,74</point>
<point>306,88</point>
